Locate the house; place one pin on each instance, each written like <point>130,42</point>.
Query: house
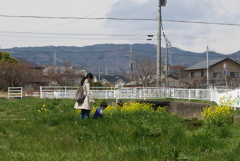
<point>217,76</point>
<point>113,81</point>
<point>37,70</point>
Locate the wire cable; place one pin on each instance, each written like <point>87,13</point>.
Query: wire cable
<point>122,19</point>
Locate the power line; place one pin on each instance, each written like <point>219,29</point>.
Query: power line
<point>82,18</point>
<point>202,22</point>
<point>75,34</point>
<point>71,52</point>
<point>203,55</point>
<point>108,35</point>
<point>123,19</point>
<point>121,1</point>
<point>109,51</point>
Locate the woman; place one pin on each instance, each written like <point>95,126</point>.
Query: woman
<point>86,106</point>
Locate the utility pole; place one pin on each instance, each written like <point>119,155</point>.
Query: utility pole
<point>99,73</point>
<point>54,58</point>
<point>238,56</point>
<point>207,68</point>
<point>106,70</point>
<point>131,62</point>
<point>168,44</point>
<point>159,67</point>
<point>159,46</point>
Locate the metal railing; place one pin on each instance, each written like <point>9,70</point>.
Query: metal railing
<point>134,93</point>
<point>15,92</point>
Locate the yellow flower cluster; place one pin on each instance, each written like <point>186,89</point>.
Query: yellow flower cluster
<point>43,109</point>
<point>110,109</point>
<point>219,115</point>
<point>135,106</point>
<point>162,109</point>
<point>130,107</point>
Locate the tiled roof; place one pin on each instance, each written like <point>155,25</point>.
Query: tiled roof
<point>203,64</point>
<point>28,63</point>
<point>113,79</point>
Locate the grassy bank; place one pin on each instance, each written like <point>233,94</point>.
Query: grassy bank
<point>35,129</point>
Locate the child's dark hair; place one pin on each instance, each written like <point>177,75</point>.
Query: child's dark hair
<point>103,104</point>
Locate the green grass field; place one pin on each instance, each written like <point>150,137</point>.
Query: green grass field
<point>37,129</point>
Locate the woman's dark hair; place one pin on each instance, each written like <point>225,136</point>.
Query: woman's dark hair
<point>103,104</point>
<point>89,75</point>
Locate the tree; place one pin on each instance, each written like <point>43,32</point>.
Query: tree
<point>143,73</point>
<point>5,57</point>
<point>64,75</point>
<point>14,75</point>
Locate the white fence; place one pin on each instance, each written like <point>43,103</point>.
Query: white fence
<point>230,96</point>
<point>70,91</point>
<point>135,93</point>
<point>15,92</point>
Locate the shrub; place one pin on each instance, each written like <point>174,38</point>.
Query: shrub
<point>219,115</point>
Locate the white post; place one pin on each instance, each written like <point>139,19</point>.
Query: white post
<point>173,93</point>
<point>189,94</point>
<point>65,92</point>
<point>207,69</point>
<point>8,92</point>
<point>21,92</point>
<point>41,92</point>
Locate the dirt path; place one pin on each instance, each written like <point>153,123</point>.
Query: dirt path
<point>3,94</point>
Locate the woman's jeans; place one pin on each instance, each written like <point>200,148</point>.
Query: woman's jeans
<point>84,114</point>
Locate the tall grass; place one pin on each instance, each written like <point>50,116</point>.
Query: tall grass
<point>35,129</point>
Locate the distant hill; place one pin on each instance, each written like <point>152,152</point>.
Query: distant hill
<point>110,55</point>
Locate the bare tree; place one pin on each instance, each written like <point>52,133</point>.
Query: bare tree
<point>64,75</point>
<point>143,73</point>
<point>14,75</point>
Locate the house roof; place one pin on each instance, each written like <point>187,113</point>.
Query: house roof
<point>113,79</point>
<point>28,63</point>
<point>211,62</point>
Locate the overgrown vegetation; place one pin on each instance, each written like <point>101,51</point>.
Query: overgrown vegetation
<point>37,129</point>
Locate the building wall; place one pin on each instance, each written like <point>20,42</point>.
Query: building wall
<point>218,68</point>
<point>231,67</point>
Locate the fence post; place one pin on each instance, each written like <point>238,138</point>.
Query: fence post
<point>117,94</point>
<point>211,95</point>
<point>21,92</point>
<point>65,92</point>
<point>189,94</point>
<point>41,92</point>
<point>8,92</point>
<point>173,93</point>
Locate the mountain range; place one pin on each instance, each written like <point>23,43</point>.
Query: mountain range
<point>108,57</point>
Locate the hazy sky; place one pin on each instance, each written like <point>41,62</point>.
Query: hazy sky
<point>71,32</point>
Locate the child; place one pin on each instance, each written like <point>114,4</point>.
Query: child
<point>99,111</point>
